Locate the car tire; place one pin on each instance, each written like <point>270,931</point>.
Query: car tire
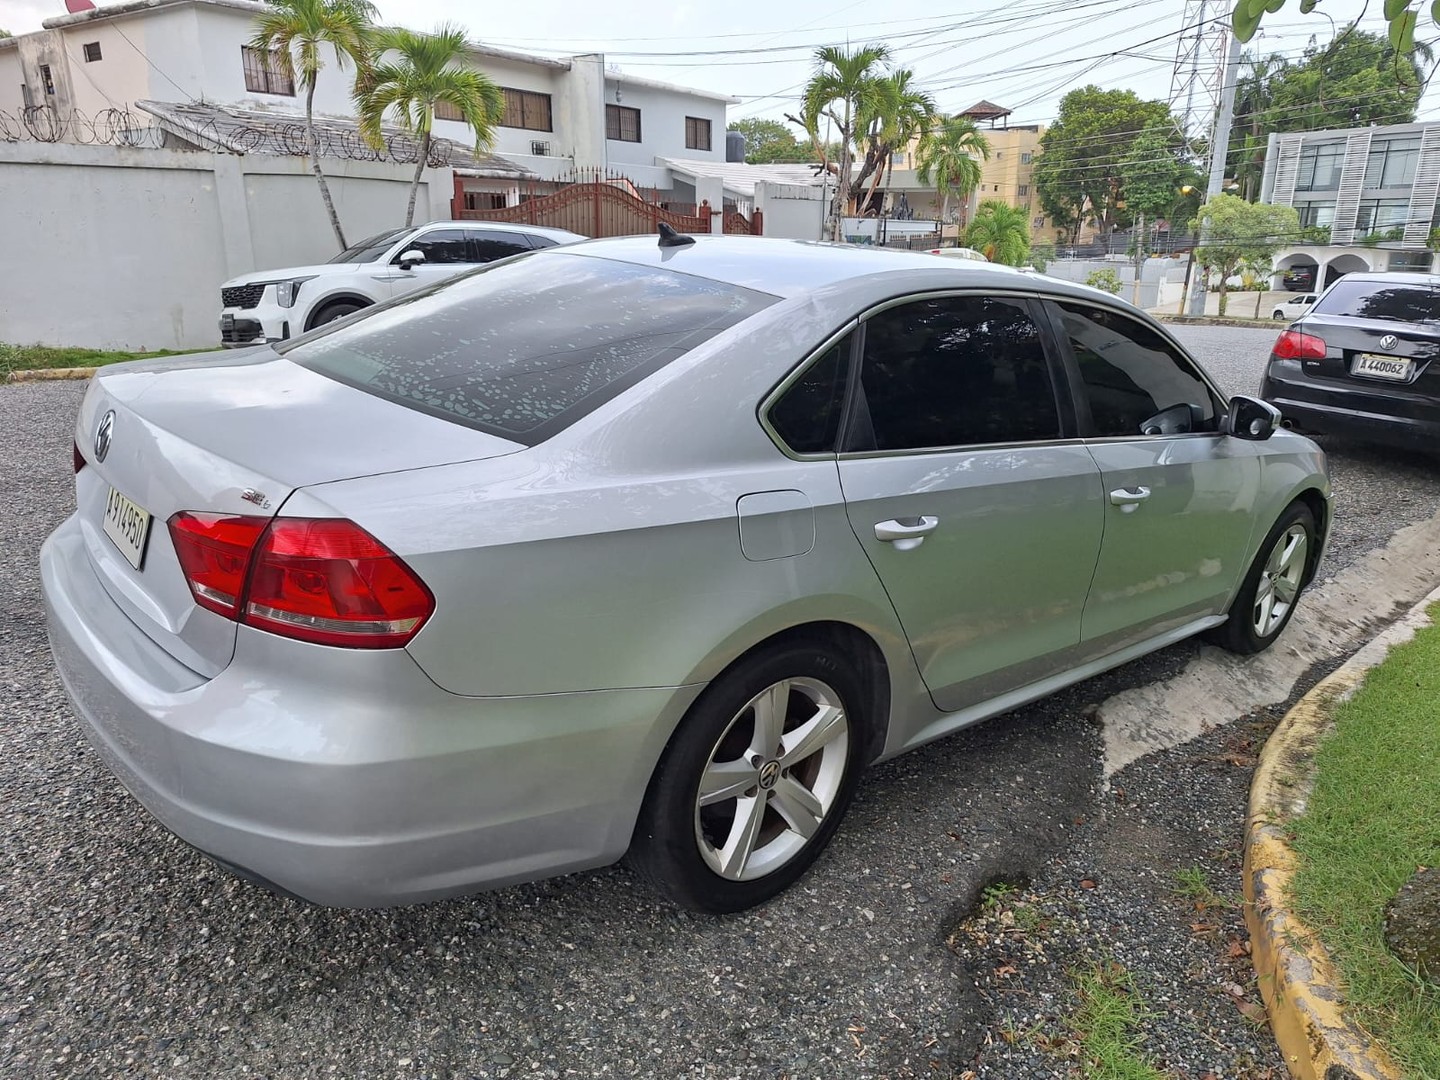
<point>1272,588</point>
<point>338,310</point>
<point>1278,315</point>
<point>778,741</point>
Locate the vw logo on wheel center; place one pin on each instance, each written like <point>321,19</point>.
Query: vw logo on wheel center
<point>103,432</point>
<point>1389,341</point>
<point>769,773</point>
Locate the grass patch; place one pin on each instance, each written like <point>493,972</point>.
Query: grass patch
<point>1106,1025</point>
<point>1373,819</point>
<point>27,357</point>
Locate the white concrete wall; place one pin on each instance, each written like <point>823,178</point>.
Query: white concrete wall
<point>791,212</point>
<point>127,248</point>
<point>12,78</point>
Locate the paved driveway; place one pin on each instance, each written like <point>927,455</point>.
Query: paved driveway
<point>123,952</point>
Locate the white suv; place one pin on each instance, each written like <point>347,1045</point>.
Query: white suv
<point>278,304</point>
<point>1294,307</point>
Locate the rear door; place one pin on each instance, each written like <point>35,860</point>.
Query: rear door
<point>980,513</point>
<point>1179,496</point>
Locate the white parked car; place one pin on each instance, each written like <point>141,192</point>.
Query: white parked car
<point>1294,307</point>
<point>273,305</point>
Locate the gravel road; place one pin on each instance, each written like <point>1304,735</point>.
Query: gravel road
<point>123,952</point>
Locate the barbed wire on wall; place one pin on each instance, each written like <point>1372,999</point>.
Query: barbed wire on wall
<point>122,127</point>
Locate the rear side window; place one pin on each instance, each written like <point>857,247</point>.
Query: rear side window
<point>1380,300</point>
<point>807,416</point>
<point>489,246</point>
<point>525,348</point>
<point>1136,382</point>
<point>953,371</point>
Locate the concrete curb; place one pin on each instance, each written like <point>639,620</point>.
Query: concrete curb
<point>50,374</point>
<point>1214,320</point>
<point>1297,977</point>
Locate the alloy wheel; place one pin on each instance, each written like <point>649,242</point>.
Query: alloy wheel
<point>1280,580</point>
<point>771,778</point>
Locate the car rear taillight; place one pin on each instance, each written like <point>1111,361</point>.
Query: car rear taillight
<point>77,458</point>
<point>214,552</point>
<point>1293,345</point>
<point>324,580</point>
<point>329,581</point>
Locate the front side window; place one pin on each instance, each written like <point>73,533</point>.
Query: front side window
<point>807,416</point>
<point>265,72</point>
<point>622,124</point>
<point>1136,382</point>
<point>441,246</point>
<point>371,248</point>
<point>953,371</point>
<point>524,348</point>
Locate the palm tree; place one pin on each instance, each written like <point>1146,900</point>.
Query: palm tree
<point>903,113</point>
<point>426,72</point>
<point>293,31</point>
<point>949,157</point>
<point>1000,232</point>
<point>847,87</point>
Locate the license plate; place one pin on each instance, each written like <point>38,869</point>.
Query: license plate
<point>128,527</point>
<point>1383,367</point>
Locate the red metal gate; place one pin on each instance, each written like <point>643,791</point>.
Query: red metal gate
<point>593,205</point>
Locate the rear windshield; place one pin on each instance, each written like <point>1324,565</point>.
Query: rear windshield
<point>524,348</point>
<point>1380,300</point>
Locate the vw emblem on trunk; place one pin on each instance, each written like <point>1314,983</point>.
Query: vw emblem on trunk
<point>1389,341</point>
<point>103,432</point>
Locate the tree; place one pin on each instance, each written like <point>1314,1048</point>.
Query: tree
<point>1000,232</point>
<point>1400,14</point>
<point>1151,174</point>
<point>846,89</point>
<point>769,142</point>
<point>1078,171</point>
<point>1236,231</point>
<point>902,113</point>
<point>949,156</point>
<point>294,32</point>
<point>427,72</point>
<point>1104,279</point>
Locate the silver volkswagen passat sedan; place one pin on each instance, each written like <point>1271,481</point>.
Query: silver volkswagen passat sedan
<point>641,547</point>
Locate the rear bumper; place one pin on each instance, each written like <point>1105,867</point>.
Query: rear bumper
<point>347,778</point>
<point>1398,418</point>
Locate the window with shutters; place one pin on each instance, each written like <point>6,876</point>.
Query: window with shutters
<point>622,124</point>
<point>92,51</point>
<point>697,133</point>
<point>445,111</point>
<point>526,109</point>
<point>265,72</point>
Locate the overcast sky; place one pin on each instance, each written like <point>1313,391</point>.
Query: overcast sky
<point>1023,54</point>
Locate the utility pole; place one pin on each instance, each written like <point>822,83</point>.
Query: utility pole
<point>1219,151</point>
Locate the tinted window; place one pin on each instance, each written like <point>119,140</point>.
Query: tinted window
<point>807,417</point>
<point>371,248</point>
<point>489,246</point>
<point>954,371</point>
<point>1380,300</point>
<point>1136,381</point>
<point>441,246</point>
<point>525,348</point>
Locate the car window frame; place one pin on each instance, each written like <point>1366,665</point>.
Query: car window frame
<point>1079,393</point>
<point>1031,303</point>
<point>795,375</point>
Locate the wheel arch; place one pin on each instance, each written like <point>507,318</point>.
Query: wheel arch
<point>344,297</point>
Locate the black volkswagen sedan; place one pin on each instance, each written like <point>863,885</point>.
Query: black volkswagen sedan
<point>1363,362</point>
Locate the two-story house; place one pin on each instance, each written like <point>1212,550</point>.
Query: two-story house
<point>175,62</point>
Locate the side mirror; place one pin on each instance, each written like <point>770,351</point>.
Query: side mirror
<point>411,258</point>
<point>1252,419</point>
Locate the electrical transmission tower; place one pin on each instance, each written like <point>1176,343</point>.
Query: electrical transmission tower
<point>1199,72</point>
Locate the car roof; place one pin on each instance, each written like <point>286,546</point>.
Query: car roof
<point>1398,277</point>
<point>503,226</point>
<point>791,267</point>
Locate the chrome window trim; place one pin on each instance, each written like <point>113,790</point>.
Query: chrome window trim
<point>962,448</point>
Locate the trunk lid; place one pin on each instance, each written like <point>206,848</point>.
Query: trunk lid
<point>1347,338</point>
<point>231,433</point>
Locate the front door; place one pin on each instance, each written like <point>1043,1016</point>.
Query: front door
<point>980,517</point>
<point>447,252</point>
<point>1179,495</point>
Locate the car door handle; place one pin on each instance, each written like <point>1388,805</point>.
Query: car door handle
<point>905,534</point>
<point>1129,498</point>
